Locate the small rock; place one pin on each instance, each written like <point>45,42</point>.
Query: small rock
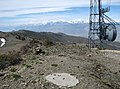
<point>6,85</point>
<point>37,80</point>
<point>89,55</point>
<point>24,84</point>
<point>38,51</point>
<point>61,54</point>
<point>63,78</point>
<point>2,74</point>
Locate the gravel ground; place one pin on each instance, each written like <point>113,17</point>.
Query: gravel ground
<point>94,69</point>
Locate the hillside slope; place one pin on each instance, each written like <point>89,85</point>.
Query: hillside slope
<point>11,42</point>
<point>15,40</point>
<point>93,69</point>
<point>55,37</point>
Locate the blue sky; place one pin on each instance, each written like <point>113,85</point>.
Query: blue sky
<point>17,12</point>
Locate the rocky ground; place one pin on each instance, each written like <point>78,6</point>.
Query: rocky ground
<point>94,69</point>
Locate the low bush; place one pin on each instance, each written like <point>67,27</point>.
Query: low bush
<point>14,77</point>
<point>26,65</point>
<point>11,58</point>
<point>24,49</point>
<point>20,37</point>
<point>35,42</point>
<point>54,65</point>
<point>48,43</point>
<point>13,69</point>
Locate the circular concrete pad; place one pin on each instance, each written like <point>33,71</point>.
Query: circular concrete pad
<point>62,79</point>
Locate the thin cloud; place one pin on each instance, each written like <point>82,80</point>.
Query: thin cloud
<point>24,11</point>
<point>13,13</point>
<point>15,4</point>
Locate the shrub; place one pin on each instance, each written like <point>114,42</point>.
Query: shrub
<point>11,58</point>
<point>14,76</point>
<point>23,38</point>
<point>20,37</point>
<point>24,49</point>
<point>48,42</point>
<point>54,65</point>
<point>35,42</point>
<point>13,69</point>
<point>27,66</point>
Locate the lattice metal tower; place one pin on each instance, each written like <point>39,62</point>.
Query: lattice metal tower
<point>101,26</point>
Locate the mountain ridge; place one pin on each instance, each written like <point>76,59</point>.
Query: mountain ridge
<point>60,37</point>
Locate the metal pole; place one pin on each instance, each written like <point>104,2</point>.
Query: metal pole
<point>100,21</point>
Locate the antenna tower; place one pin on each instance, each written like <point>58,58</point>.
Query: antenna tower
<point>101,27</point>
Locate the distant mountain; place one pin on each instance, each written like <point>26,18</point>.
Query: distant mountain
<point>55,37</point>
<point>61,37</point>
<point>17,39</point>
<point>70,28</point>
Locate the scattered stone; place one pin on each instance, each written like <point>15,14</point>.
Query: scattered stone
<point>61,61</point>
<point>6,85</point>
<point>2,74</point>
<point>37,80</point>
<point>89,55</point>
<point>22,69</point>
<point>62,54</point>
<point>23,83</point>
<point>38,51</point>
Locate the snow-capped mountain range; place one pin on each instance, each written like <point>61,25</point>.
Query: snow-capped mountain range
<point>78,28</point>
<point>75,28</point>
